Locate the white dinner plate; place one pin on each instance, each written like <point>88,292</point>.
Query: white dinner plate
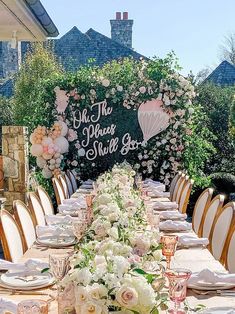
<point>219,310</point>
<point>56,242</point>
<point>23,281</point>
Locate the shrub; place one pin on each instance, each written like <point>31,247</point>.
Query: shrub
<point>223,182</point>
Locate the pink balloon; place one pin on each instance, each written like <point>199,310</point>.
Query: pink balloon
<point>45,149</point>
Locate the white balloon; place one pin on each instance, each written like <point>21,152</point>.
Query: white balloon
<point>64,127</point>
<point>52,161</point>
<point>47,141</point>
<point>47,156</point>
<point>58,161</point>
<point>62,143</point>
<point>57,155</point>
<point>52,167</point>
<point>41,162</point>
<point>36,150</point>
<point>46,173</point>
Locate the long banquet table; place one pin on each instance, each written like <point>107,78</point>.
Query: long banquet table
<point>195,259</point>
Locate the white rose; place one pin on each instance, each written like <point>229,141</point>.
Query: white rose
<point>127,297</point>
<point>83,276</point>
<point>91,308</point>
<point>142,89</point>
<point>81,295</point>
<point>190,110</point>
<point>97,291</point>
<point>105,82</point>
<point>113,233</point>
<point>119,88</point>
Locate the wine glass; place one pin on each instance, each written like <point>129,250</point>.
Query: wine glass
<point>32,307</point>
<point>79,227</point>
<point>177,287</point>
<point>169,243</point>
<point>155,221</point>
<point>59,265</point>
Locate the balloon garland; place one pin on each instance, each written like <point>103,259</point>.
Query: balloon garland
<point>48,146</point>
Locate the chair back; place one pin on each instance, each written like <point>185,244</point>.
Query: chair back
<point>220,230</point>
<point>173,184</point>
<point>59,192</point>
<point>25,221</point>
<point>228,255</point>
<point>214,208</point>
<point>64,186</point>
<point>184,199</point>
<point>200,208</point>
<point>11,237</point>
<point>45,201</point>
<point>73,180</point>
<point>69,184</point>
<point>177,185</point>
<point>181,187</point>
<point>36,209</point>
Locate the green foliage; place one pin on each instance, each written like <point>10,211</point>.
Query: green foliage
<point>232,119</point>
<point>6,115</point>
<point>216,102</point>
<point>223,182</point>
<point>38,69</point>
<point>199,149</point>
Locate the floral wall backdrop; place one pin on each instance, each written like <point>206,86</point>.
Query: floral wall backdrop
<point>139,111</point>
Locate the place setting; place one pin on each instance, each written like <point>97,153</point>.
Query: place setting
<point>25,276</point>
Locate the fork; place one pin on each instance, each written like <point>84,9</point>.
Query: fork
<point>215,292</point>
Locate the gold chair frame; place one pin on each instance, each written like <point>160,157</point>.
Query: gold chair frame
<point>17,219</point>
<point>210,192</point>
<point>30,204</point>
<point>4,241</point>
<point>57,196</point>
<point>219,208</point>
<point>186,201</point>
<point>44,191</point>
<point>229,235</point>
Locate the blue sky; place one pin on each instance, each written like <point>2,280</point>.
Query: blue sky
<point>194,29</point>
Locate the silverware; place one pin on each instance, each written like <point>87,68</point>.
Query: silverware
<point>21,292</point>
<point>215,292</point>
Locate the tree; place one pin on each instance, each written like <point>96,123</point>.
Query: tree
<point>216,103</point>
<point>228,49</point>
<point>39,67</point>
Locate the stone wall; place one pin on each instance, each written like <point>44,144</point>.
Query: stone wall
<point>15,163</point>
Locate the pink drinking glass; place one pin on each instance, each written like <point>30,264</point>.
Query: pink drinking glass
<point>177,287</point>
<point>32,307</point>
<point>169,243</point>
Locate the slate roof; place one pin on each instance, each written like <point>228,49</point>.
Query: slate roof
<point>42,16</point>
<point>6,89</point>
<point>223,75</point>
<point>76,48</point>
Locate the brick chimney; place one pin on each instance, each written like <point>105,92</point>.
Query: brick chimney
<point>121,29</point>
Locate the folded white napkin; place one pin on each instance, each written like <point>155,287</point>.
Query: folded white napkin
<point>30,265</point>
<point>70,201</point>
<point>175,225</point>
<point>189,240</point>
<point>172,214</point>
<point>89,181</point>
<point>7,306</point>
<point>207,276</point>
<point>73,206</point>
<point>164,205</point>
<point>86,186</point>
<point>57,219</point>
<point>156,193</point>
<point>53,231</point>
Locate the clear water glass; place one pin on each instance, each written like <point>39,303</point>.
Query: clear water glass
<point>177,288</point>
